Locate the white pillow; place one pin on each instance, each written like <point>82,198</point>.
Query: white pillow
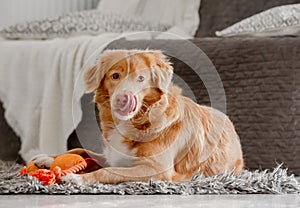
<point>124,7</point>
<point>277,21</point>
<point>183,14</point>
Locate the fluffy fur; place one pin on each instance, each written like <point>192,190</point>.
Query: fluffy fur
<point>150,129</point>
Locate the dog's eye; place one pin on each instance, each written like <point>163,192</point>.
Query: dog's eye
<point>115,76</point>
<point>140,79</point>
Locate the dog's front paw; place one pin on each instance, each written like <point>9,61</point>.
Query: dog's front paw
<point>72,178</point>
<point>42,161</point>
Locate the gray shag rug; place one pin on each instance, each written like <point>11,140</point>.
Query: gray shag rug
<point>277,181</point>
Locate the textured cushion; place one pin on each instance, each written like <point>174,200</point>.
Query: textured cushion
<point>218,14</point>
<point>283,20</point>
<point>91,22</point>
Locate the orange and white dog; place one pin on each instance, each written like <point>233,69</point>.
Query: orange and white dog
<point>151,130</point>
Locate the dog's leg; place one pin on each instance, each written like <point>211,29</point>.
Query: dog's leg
<point>45,161</point>
<point>114,175</point>
<point>42,161</point>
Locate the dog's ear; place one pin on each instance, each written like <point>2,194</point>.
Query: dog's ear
<point>94,75</point>
<point>162,72</point>
<point>91,78</point>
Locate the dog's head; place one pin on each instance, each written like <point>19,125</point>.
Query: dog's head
<point>131,80</point>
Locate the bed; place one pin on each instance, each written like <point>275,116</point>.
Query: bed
<point>260,78</point>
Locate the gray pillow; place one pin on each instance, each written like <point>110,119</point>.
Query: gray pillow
<point>278,21</point>
<point>90,22</point>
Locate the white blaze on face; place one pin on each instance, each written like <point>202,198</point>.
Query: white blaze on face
<point>124,101</point>
<point>128,65</point>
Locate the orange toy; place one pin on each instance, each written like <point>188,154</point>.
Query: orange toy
<point>61,166</point>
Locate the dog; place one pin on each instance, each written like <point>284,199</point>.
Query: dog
<point>150,129</point>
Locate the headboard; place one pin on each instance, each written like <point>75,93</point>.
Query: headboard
<point>219,14</point>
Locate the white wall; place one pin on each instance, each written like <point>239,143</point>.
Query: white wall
<point>14,11</point>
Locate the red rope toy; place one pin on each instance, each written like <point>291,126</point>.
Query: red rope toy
<point>62,165</point>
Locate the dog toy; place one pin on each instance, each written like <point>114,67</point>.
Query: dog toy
<point>61,166</point>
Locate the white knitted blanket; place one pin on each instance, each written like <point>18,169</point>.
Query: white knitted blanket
<point>37,80</point>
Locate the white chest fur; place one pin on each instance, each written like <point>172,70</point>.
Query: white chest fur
<point>116,152</point>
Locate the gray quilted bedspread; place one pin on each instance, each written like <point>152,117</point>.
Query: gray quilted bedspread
<point>262,86</point>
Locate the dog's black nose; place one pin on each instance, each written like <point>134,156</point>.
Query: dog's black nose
<point>122,100</point>
<point>125,102</point>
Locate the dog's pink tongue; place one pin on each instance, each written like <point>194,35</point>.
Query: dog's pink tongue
<point>130,105</point>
